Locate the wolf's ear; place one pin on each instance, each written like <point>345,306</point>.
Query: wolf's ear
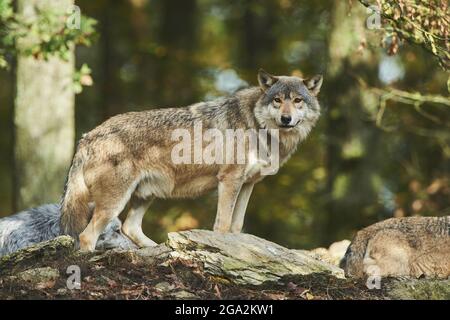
<point>314,84</point>
<point>266,80</point>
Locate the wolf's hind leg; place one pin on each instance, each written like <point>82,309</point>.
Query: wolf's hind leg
<point>101,217</point>
<point>132,226</point>
<point>241,206</point>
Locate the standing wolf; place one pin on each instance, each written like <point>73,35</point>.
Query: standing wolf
<point>128,158</point>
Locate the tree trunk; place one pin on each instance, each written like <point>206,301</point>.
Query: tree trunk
<point>348,187</point>
<point>44,119</point>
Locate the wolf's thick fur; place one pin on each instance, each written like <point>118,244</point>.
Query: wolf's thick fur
<point>76,195</point>
<point>411,246</point>
<point>127,159</point>
<point>39,224</point>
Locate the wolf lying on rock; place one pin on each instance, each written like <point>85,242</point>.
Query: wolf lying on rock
<point>39,224</point>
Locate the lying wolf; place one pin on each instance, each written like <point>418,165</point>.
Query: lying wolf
<point>129,158</point>
<point>411,246</point>
<point>39,224</point>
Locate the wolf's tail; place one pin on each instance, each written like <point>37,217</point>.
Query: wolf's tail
<point>75,213</point>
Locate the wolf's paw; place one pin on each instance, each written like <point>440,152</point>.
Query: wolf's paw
<point>147,243</point>
<point>138,237</point>
<point>222,229</point>
<point>86,243</point>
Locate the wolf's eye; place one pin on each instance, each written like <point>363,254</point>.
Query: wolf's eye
<point>297,100</point>
<point>277,100</point>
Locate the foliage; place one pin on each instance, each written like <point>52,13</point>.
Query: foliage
<point>50,34</point>
<point>422,22</point>
<point>82,78</point>
<point>6,15</point>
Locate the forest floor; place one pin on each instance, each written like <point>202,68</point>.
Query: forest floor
<point>42,273</point>
<point>178,279</point>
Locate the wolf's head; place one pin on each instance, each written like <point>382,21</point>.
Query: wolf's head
<point>288,103</point>
<point>112,237</point>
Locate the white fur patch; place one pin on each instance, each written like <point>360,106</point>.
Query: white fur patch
<point>254,164</point>
<point>6,227</point>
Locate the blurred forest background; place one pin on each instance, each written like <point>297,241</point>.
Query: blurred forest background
<point>380,150</point>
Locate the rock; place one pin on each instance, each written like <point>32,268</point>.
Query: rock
<point>164,286</point>
<point>183,294</point>
<point>170,289</point>
<point>41,278</point>
<point>321,254</point>
<point>62,291</point>
<point>423,289</point>
<point>116,256</point>
<point>333,255</point>
<point>22,259</point>
<point>337,251</point>
<point>154,254</point>
<point>148,255</point>
<point>244,258</point>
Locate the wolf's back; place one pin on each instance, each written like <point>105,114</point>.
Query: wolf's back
<point>75,213</point>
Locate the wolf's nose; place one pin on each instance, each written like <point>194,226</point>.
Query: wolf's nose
<point>286,119</point>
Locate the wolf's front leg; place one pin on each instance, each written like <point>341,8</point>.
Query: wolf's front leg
<point>229,189</point>
<point>241,206</point>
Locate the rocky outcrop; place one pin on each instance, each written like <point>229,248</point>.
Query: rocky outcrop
<point>196,264</point>
<point>41,252</point>
<point>244,258</point>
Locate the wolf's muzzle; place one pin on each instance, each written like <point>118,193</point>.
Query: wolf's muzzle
<point>286,119</point>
